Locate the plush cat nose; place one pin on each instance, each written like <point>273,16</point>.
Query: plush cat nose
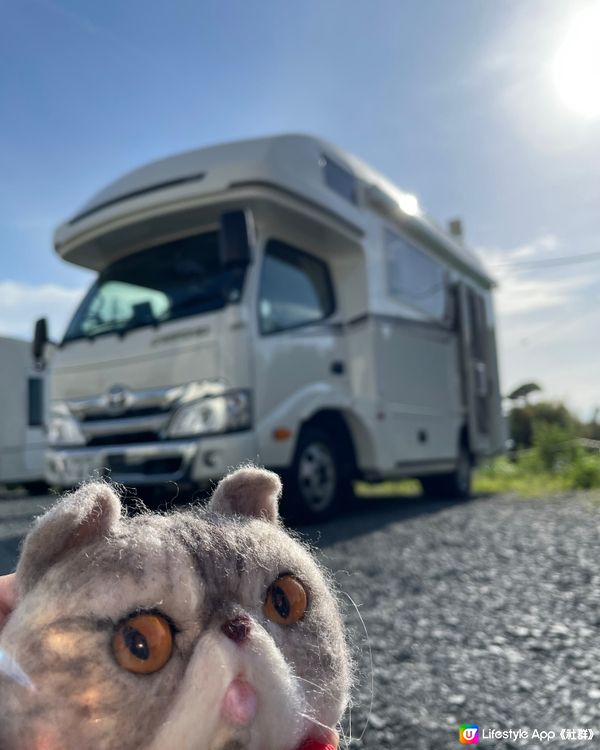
<point>237,629</point>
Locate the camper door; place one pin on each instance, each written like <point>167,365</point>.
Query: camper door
<point>476,366</point>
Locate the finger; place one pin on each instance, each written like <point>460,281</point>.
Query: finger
<point>8,596</point>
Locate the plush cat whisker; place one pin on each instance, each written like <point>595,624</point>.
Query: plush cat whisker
<point>11,670</point>
<point>371,676</point>
<point>314,721</point>
<point>202,629</point>
<point>320,689</point>
<point>344,742</point>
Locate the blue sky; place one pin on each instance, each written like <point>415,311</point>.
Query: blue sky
<point>455,101</point>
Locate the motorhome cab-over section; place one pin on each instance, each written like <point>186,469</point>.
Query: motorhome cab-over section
<point>272,300</point>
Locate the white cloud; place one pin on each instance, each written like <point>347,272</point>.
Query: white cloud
<point>548,317</point>
<point>524,289</point>
<point>546,242</point>
<point>22,304</point>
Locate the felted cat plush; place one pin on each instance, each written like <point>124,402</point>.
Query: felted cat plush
<point>204,629</point>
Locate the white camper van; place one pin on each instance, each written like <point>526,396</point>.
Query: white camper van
<point>272,300</point>
<point>22,438</point>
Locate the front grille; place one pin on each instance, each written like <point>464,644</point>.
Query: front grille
<point>124,417</point>
<point>148,411</point>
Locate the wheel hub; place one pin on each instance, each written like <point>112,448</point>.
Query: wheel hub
<point>317,476</point>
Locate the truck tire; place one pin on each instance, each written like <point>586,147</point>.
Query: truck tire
<point>315,486</point>
<point>455,485</point>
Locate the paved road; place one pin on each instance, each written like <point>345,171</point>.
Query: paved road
<point>485,612</point>
<point>17,512</point>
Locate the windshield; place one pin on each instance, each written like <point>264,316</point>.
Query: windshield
<point>174,280</point>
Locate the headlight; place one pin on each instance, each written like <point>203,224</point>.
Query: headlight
<point>231,411</point>
<point>63,428</point>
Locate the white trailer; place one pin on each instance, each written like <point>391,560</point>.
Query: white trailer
<point>273,300</point>
<point>22,436</point>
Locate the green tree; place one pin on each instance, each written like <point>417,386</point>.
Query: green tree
<point>523,392</point>
<point>522,421</point>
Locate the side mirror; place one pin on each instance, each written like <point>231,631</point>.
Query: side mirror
<point>234,239</point>
<point>40,339</point>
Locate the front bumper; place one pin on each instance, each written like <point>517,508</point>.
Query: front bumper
<point>181,461</point>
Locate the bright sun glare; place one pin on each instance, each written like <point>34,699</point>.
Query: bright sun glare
<point>577,63</point>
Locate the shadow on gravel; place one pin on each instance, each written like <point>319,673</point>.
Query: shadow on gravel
<point>368,514</point>
<point>373,513</point>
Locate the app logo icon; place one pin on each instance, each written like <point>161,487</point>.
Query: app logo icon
<point>468,734</point>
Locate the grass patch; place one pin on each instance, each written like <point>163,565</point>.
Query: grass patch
<point>500,475</point>
<point>545,469</point>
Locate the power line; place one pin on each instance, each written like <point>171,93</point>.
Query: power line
<point>548,262</point>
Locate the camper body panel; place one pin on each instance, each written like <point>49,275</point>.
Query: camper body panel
<point>22,439</point>
<point>417,388</point>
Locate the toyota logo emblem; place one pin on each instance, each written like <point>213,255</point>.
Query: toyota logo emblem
<point>117,399</point>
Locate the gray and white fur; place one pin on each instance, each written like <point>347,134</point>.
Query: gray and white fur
<point>85,567</point>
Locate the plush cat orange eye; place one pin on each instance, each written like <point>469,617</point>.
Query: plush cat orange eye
<point>143,644</point>
<point>286,600</point>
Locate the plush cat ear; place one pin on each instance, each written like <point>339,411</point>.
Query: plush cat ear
<point>248,492</point>
<point>76,521</point>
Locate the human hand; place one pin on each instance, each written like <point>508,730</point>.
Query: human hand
<point>8,596</point>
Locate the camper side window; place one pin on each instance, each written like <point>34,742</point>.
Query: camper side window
<point>295,289</point>
<point>415,277</point>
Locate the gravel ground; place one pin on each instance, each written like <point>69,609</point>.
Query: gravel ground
<point>486,612</point>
